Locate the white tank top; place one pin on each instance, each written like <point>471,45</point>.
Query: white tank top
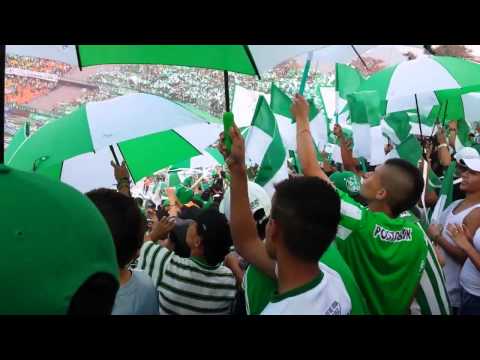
<point>470,276</point>
<point>452,268</point>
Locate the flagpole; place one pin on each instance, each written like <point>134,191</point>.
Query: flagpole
<point>420,126</point>
<point>361,59</point>
<point>227,91</point>
<point>2,102</point>
<point>305,73</point>
<point>445,114</point>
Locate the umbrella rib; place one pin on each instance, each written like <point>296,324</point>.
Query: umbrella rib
<point>77,50</point>
<point>252,60</point>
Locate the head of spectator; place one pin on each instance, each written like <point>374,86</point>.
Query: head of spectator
<point>303,221</point>
<point>208,237</point>
<point>394,187</point>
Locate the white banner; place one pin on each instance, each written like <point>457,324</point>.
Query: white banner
<point>31,74</point>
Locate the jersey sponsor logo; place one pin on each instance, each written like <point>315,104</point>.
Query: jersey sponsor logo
<point>393,236</point>
<point>334,309</point>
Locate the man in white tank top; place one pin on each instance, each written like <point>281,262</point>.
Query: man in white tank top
<point>467,238</point>
<point>466,212</point>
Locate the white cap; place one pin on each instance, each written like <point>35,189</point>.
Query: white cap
<point>467,153</point>
<point>257,196</point>
<point>473,164</point>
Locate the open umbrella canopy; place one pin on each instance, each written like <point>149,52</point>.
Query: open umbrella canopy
<point>148,131</point>
<point>423,75</point>
<point>245,59</point>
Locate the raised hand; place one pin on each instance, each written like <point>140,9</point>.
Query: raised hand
<point>300,108</point>
<point>120,171</point>
<point>236,157</point>
<point>338,131</point>
<point>161,228</point>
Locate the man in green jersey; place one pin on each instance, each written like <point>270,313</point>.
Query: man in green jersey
<point>390,256</point>
<point>258,287</point>
<point>302,225</point>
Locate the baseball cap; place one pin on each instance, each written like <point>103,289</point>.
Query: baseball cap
<point>188,181</point>
<point>346,181</point>
<point>184,194</point>
<point>472,164</point>
<point>467,153</point>
<point>257,196</point>
<point>49,255</point>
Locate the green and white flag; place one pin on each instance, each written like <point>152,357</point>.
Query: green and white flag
<point>428,121</point>
<point>367,130</point>
<point>462,139</point>
<point>446,193</point>
<point>174,179</point>
<point>396,126</point>
<point>280,104</point>
<point>409,149</point>
<point>347,81</point>
<point>264,146</point>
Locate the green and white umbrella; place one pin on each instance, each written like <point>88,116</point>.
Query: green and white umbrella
<point>245,59</point>
<point>422,76</point>
<point>148,131</point>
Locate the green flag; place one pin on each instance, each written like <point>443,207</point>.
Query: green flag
<point>264,146</point>
<point>446,193</point>
<point>365,114</point>
<point>396,126</point>
<point>409,149</point>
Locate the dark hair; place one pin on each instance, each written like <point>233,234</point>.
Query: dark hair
<point>150,204</point>
<point>404,195</point>
<point>139,201</point>
<point>125,220</point>
<point>308,212</point>
<point>261,224</point>
<point>213,228</point>
<point>96,296</point>
<point>178,238</point>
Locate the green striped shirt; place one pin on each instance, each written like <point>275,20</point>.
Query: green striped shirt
<point>431,297</point>
<point>187,286</point>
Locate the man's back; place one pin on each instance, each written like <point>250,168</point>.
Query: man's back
<point>259,288</point>
<point>137,297</point>
<point>387,256</point>
<point>325,295</point>
<point>188,286</point>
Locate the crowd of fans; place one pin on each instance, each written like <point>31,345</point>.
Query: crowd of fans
<point>218,244</point>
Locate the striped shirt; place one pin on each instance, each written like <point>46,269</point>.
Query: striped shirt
<point>187,286</point>
<point>431,297</point>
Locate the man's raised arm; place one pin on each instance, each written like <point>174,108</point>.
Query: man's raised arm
<point>305,148</point>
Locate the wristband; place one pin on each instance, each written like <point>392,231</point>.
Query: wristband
<point>441,146</point>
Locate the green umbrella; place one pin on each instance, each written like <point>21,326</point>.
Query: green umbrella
<point>148,132</point>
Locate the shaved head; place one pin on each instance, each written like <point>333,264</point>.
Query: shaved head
<point>403,183</point>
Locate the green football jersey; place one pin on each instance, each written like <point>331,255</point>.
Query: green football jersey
<point>387,256</point>
<point>260,288</point>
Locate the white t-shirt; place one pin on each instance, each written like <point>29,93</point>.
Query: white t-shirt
<point>470,276</point>
<point>325,295</point>
<point>452,268</point>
